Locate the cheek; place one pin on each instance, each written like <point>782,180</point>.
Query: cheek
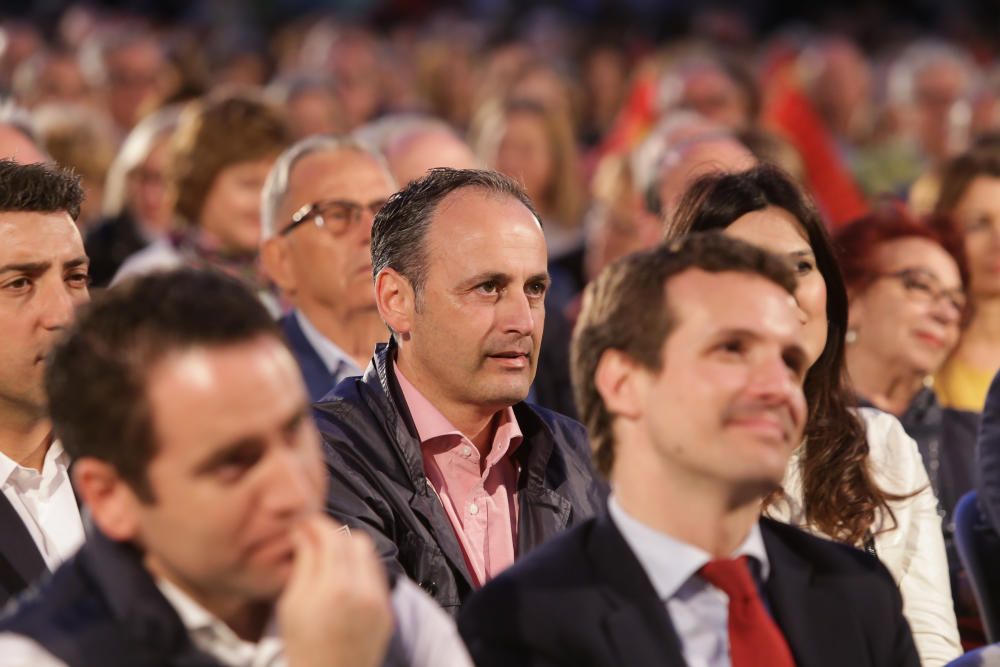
<point>811,295</point>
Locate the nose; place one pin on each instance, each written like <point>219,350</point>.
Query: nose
<point>291,485</point>
<point>517,315</point>
<point>57,306</point>
<point>776,385</point>
<point>944,312</point>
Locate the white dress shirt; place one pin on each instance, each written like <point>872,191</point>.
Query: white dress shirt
<point>337,362</point>
<point>912,549</point>
<point>698,610</point>
<point>46,504</point>
<point>428,635</point>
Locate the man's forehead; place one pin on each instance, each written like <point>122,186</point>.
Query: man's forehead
<point>732,299</point>
<point>32,236</point>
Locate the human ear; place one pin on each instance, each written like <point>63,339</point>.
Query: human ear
<point>396,300</point>
<point>112,503</point>
<point>276,261</point>
<point>620,381</point>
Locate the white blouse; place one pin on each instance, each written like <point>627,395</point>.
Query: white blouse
<point>913,551</point>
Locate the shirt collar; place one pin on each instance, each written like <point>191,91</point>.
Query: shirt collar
<point>337,361</point>
<point>209,633</point>
<point>56,459</point>
<point>431,424</point>
<point>668,562</point>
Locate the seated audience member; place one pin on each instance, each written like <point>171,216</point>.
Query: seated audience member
<point>433,451</point>
<point>905,285</point>
<point>220,155</point>
<point>970,194</point>
<point>43,277</point>
<point>318,205</point>
<point>209,545</point>
<point>135,208</point>
<point>858,477</point>
<point>988,456</point>
<point>694,408</point>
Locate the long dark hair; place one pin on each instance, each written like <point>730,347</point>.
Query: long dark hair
<point>840,495</point>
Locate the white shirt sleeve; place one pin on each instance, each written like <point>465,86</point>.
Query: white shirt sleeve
<point>429,635</point>
<point>914,551</point>
<point>21,651</point>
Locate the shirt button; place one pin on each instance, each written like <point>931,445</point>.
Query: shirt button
<point>473,509</point>
<point>466,451</point>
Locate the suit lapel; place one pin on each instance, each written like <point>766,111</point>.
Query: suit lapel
<point>318,378</point>
<point>637,624</point>
<point>18,550</point>
<point>810,614</point>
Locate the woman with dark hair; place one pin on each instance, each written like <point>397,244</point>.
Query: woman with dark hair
<point>857,478</point>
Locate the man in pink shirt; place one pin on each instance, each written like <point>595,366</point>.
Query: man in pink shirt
<point>433,450</point>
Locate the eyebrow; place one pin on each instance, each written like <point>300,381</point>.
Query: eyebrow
<point>249,444</point>
<point>35,268</point>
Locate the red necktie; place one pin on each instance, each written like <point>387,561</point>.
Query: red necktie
<point>754,637</point>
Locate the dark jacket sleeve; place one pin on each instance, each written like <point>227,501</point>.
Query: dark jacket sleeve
<point>988,455</point>
<point>353,501</point>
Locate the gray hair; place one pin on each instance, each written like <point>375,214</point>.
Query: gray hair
<point>276,185</point>
<point>136,148</point>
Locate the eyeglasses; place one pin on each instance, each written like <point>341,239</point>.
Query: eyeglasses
<point>921,286</point>
<point>334,215</point>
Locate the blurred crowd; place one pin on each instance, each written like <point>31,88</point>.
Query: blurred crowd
<point>176,131</point>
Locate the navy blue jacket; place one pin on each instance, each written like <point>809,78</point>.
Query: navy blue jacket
<point>319,380</point>
<point>20,561</point>
<point>584,600</point>
<point>378,483</point>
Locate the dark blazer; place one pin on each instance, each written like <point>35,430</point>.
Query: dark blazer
<point>20,561</point>
<point>584,600</point>
<point>319,380</point>
<point>378,482</point>
<point>988,456</point>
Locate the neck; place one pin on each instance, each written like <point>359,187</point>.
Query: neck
<point>246,618</point>
<point>986,323</point>
<point>475,422</point>
<point>356,333</point>
<point>661,498</point>
<point>25,439</point>
<point>886,386</point>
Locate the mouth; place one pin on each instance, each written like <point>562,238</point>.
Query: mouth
<point>930,339</point>
<point>511,359</point>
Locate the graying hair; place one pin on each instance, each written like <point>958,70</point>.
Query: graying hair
<point>276,185</point>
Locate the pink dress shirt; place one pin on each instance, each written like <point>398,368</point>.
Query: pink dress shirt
<point>480,499</point>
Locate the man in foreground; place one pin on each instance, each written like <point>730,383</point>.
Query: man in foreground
<point>196,457</point>
<point>694,407</point>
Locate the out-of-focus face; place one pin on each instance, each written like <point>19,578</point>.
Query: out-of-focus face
<point>938,88</point>
<point>147,189</point>
<point>526,154</point>
<point>315,112</point>
<point>137,77</point>
<point>234,470</point>
<point>711,93</point>
<point>43,277</point>
<point>324,271</point>
<point>978,214</point>
<point>60,81</point>
<point>472,340</point>
<point>727,407</point>
<point>777,231</point>
<point>230,215</point>
<point>412,157</point>
<point>909,316</point>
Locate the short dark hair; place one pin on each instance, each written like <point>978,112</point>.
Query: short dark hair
<point>400,228</point>
<point>96,377</point>
<point>39,188</point>
<point>626,308</point>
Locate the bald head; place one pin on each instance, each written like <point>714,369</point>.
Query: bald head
<point>412,154</point>
<point>683,164</point>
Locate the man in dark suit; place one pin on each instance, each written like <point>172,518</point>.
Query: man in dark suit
<point>318,204</point>
<point>43,277</point>
<point>688,374</point>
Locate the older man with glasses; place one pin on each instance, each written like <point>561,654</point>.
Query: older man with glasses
<point>318,205</point>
